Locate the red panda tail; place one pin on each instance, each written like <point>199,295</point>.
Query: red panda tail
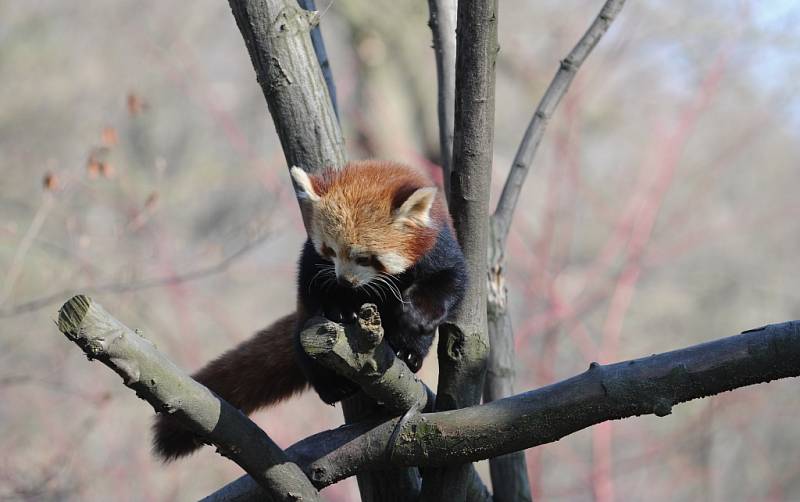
<point>258,372</point>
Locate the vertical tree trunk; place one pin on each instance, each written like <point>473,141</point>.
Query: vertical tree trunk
<point>463,341</point>
<point>276,33</point>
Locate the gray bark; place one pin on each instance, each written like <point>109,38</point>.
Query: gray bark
<point>649,385</point>
<point>276,33</point>
<point>157,380</point>
<point>463,341</point>
<point>359,352</point>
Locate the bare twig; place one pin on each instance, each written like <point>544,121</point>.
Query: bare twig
<point>443,26</point>
<point>157,380</point>
<point>322,54</point>
<point>533,134</point>
<point>35,227</point>
<point>129,286</point>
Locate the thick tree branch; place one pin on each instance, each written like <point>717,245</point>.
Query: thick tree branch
<point>157,380</point>
<point>443,26</point>
<point>463,340</point>
<point>276,33</point>
<point>358,352</point>
<point>650,385</point>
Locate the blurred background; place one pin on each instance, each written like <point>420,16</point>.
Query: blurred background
<point>138,164</point>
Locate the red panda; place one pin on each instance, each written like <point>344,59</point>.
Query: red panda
<point>378,232</point>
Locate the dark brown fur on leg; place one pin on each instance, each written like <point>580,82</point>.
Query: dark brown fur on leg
<point>258,372</point>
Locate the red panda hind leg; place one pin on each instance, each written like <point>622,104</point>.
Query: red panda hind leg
<point>259,372</point>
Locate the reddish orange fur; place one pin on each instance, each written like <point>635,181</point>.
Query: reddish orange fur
<point>359,201</point>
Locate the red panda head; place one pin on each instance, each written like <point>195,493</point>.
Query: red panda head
<point>370,218</point>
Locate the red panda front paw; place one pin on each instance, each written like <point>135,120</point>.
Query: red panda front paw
<point>417,321</point>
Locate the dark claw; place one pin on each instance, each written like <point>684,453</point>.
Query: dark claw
<point>413,362</point>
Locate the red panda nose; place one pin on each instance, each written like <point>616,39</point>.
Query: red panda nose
<point>341,281</point>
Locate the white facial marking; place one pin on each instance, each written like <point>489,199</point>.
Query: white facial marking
<point>394,263</point>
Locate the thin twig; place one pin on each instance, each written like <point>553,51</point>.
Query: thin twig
<point>24,246</point>
<point>129,286</point>
<point>319,50</point>
<point>533,134</point>
<point>443,26</point>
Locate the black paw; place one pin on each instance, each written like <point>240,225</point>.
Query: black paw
<point>412,359</point>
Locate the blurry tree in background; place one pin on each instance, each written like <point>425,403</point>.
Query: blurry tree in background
<point>138,165</point>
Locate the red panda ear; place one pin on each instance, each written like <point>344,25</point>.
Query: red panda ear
<point>304,187</point>
<point>416,209</point>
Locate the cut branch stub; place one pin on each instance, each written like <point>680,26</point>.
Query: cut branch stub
<point>157,380</point>
<point>359,353</point>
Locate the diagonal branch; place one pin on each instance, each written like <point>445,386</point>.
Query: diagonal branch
<point>157,380</point>
<point>649,385</point>
<point>138,285</point>
<point>276,33</point>
<point>533,134</point>
<point>359,352</point>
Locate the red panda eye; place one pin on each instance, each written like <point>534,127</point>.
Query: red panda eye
<point>328,252</point>
<point>364,261</point>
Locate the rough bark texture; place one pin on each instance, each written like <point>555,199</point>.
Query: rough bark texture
<point>463,341</point>
<point>443,26</point>
<point>650,385</point>
<point>157,380</point>
<point>359,353</point>
<point>276,33</point>
<point>509,473</point>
